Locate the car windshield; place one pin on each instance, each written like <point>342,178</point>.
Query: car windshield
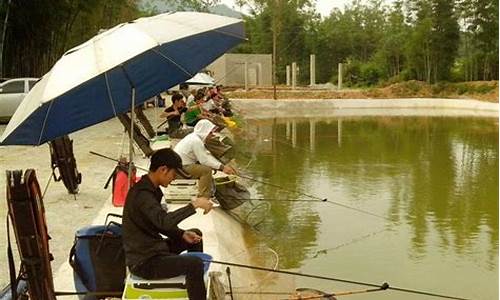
<point>31,84</point>
<point>13,87</point>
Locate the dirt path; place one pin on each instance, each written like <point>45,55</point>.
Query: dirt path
<point>480,90</point>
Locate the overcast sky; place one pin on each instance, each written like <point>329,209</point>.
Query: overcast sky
<point>322,6</point>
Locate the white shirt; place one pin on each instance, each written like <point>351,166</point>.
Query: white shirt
<point>192,149</point>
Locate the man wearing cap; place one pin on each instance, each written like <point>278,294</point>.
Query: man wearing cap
<point>147,253</point>
<point>197,160</point>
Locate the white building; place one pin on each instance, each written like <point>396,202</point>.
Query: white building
<point>229,69</point>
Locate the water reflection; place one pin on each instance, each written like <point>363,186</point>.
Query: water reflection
<point>435,177</point>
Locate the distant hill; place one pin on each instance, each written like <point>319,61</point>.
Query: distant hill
<point>159,6</point>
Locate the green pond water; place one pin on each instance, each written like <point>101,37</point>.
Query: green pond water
<point>430,185</point>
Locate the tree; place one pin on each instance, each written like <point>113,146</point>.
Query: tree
<point>479,45</point>
<point>289,21</point>
<point>445,38</point>
<point>2,37</point>
<point>390,54</point>
<point>39,32</point>
<point>433,45</point>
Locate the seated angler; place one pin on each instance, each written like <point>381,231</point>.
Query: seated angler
<point>173,115</point>
<point>147,253</point>
<point>197,160</point>
<point>195,111</point>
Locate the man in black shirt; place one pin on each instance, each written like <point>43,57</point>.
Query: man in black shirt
<point>147,253</point>
<point>173,115</point>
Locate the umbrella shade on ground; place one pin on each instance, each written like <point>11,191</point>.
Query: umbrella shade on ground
<point>93,81</point>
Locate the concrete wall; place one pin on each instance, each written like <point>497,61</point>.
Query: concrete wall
<point>323,108</point>
<point>229,69</point>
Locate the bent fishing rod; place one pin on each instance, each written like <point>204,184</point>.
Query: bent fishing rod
<point>384,286</point>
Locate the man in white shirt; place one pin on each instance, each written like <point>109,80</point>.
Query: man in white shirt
<point>197,160</point>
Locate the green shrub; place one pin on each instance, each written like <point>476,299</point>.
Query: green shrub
<point>412,86</point>
<point>438,88</point>
<point>461,88</point>
<point>483,89</point>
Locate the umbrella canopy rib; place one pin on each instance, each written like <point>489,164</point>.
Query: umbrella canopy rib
<point>173,62</point>
<point>110,97</point>
<point>44,122</point>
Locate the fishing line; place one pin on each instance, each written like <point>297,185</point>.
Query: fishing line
<point>314,198</point>
<point>358,210</point>
<point>47,185</point>
<point>282,188</point>
<point>264,278</point>
<point>291,145</point>
<point>384,285</point>
<point>352,241</point>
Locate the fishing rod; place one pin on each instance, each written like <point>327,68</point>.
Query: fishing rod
<point>384,285</point>
<point>228,272</point>
<point>300,297</point>
<point>321,294</point>
<point>282,188</point>
<point>314,198</point>
<point>161,124</point>
<point>116,160</point>
<point>280,200</point>
<point>108,294</point>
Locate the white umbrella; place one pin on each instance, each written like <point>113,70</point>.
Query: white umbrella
<point>118,69</point>
<point>201,79</point>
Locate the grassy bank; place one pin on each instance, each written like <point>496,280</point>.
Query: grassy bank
<point>478,90</point>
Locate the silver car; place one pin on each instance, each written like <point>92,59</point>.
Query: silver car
<point>12,92</point>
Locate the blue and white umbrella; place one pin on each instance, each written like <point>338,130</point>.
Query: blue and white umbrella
<point>117,69</point>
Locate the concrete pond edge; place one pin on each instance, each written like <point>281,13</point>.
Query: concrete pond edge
<point>293,108</point>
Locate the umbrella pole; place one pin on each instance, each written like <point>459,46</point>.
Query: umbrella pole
<point>131,139</point>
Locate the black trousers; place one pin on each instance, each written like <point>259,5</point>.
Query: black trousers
<point>168,266</point>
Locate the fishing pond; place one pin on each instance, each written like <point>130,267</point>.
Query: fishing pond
<point>412,201</point>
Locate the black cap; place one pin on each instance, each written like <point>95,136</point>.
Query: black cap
<point>167,157</point>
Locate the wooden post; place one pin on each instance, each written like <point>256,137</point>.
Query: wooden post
<point>294,75</point>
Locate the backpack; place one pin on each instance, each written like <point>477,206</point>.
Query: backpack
<point>63,159</point>
<point>98,260</point>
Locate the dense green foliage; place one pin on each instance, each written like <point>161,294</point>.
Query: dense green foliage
<point>38,32</point>
<point>428,40</point>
